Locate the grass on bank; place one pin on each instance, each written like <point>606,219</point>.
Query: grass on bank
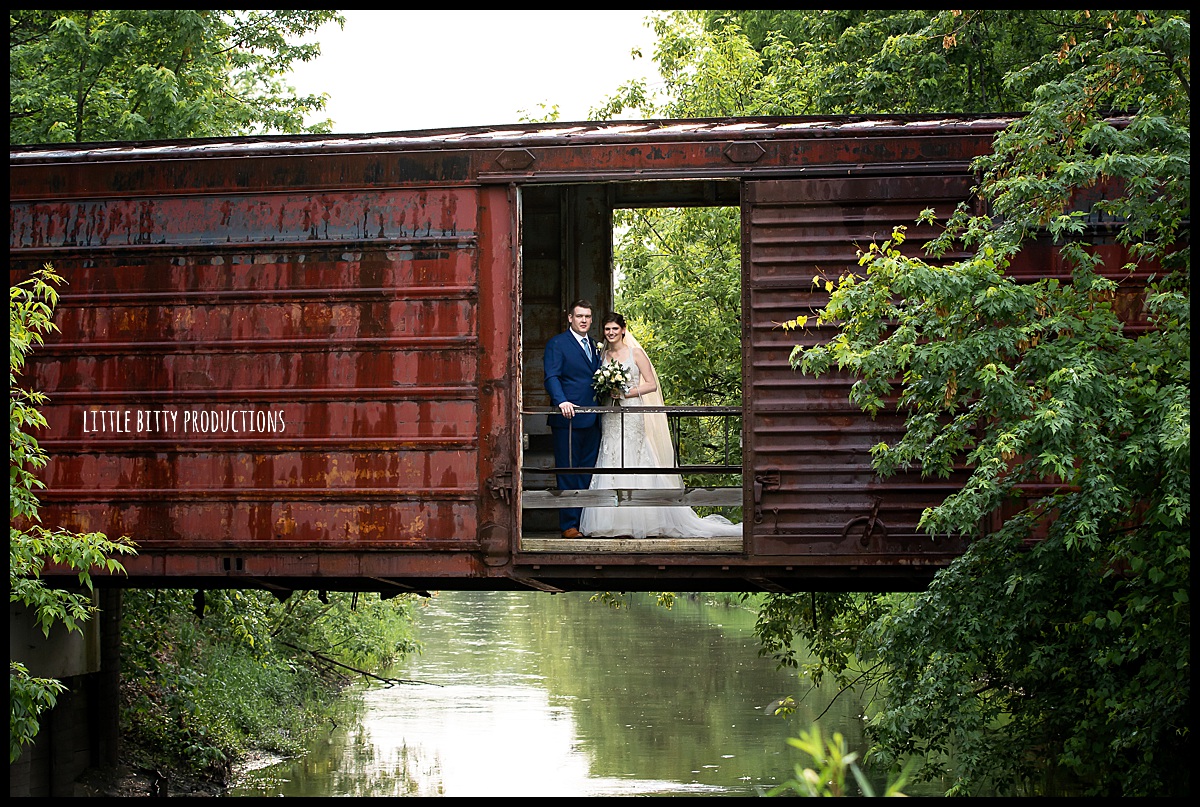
<point>207,677</point>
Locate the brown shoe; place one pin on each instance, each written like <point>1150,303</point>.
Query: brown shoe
<point>572,533</point>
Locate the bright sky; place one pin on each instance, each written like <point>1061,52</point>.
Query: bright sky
<point>389,71</point>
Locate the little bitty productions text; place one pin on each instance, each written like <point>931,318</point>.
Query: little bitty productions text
<point>201,421</point>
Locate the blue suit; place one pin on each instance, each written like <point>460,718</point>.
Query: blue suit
<point>568,374</point>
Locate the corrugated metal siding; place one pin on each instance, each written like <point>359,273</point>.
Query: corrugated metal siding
<point>350,322</point>
<point>808,446</point>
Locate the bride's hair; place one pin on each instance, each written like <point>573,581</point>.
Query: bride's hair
<point>613,316</point>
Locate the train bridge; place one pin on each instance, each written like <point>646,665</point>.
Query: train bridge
<point>315,362</point>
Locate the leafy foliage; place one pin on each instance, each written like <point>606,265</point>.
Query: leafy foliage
<point>28,698</point>
<point>832,761</point>
<point>664,599</point>
<point>127,74</point>
<point>209,675</point>
<point>857,61</point>
<point>681,293</point>
<point>1059,644</point>
<point>31,306</point>
<point>1061,636</point>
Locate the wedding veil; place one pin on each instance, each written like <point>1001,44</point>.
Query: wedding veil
<point>658,432</point>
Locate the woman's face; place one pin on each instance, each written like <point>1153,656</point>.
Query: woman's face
<point>613,333</point>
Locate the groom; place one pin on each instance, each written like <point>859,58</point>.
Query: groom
<point>569,362</point>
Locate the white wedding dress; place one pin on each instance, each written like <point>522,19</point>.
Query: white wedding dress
<point>635,451</point>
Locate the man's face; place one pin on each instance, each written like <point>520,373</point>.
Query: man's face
<point>580,319</point>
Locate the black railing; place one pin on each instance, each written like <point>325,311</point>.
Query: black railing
<point>729,435</point>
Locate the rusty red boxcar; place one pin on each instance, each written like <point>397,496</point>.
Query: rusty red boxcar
<point>315,361</point>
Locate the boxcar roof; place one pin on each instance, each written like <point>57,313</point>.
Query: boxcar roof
<point>623,132</point>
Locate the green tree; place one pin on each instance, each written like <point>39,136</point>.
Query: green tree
<point>1059,644</point>
<point>682,292</point>
<point>857,61</point>
<point>30,545</point>
<point>712,72</point>
<point>209,675</point>
<point>93,75</point>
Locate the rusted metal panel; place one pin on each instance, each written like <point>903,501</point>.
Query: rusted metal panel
<point>282,569</point>
<point>266,371</point>
<point>687,158</point>
<point>526,153</point>
<point>807,446</point>
<point>428,218</point>
<point>498,404</point>
<point>213,168</point>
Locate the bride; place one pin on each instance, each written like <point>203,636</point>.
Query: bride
<point>641,441</point>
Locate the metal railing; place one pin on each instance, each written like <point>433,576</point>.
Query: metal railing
<point>729,435</point>
<point>725,442</point>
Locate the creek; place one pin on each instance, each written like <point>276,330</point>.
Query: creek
<point>533,694</point>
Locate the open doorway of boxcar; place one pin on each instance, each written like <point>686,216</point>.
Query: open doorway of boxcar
<point>667,257</point>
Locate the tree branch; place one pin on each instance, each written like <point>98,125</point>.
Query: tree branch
<point>327,660</point>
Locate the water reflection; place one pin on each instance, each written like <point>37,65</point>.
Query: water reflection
<point>528,694</point>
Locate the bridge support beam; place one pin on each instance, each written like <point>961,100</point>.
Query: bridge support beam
<point>108,713</point>
<point>82,730</point>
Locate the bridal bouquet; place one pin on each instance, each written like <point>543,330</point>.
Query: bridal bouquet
<point>611,379</point>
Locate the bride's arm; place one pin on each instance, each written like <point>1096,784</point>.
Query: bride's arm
<point>649,381</point>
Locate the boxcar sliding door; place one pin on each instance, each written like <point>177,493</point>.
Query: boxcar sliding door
<point>815,499</point>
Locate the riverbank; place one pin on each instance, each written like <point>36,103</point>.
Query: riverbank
<point>132,778</point>
<point>201,684</point>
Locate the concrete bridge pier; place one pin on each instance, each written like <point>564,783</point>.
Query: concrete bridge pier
<point>83,728</point>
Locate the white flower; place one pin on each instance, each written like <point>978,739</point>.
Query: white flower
<point>611,379</point>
